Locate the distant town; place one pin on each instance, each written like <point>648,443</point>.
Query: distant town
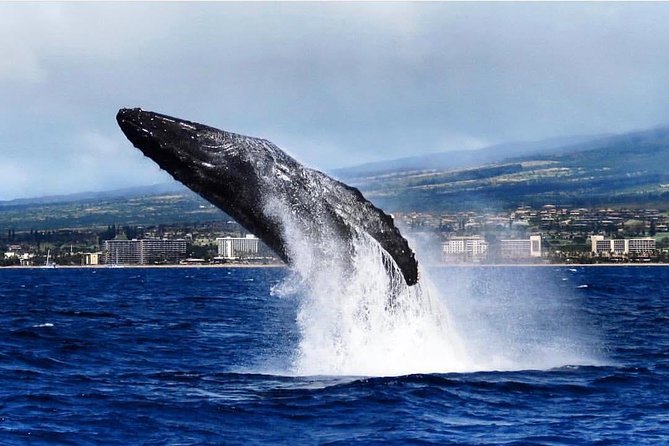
<point>549,234</point>
<point>525,235</point>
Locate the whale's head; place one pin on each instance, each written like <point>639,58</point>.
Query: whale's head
<point>223,167</point>
<point>184,149</point>
<point>203,158</point>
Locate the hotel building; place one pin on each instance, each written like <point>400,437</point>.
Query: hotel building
<point>519,249</point>
<point>144,251</point>
<point>472,248</point>
<point>600,245</point>
<point>233,248</point>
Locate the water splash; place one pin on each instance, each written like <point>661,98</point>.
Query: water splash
<point>357,316</point>
<point>522,318</point>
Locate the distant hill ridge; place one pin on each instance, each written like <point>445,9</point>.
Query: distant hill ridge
<point>465,158</point>
<point>630,169</point>
<point>491,154</point>
<point>141,206</point>
<point>627,169</point>
<point>127,192</point>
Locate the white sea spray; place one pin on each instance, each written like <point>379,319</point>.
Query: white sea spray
<point>358,317</point>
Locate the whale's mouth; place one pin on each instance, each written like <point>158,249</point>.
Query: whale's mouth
<point>135,125</point>
<point>168,141</point>
<point>131,121</point>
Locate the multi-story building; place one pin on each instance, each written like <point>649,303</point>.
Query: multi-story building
<point>601,245</point>
<point>521,248</point>
<point>144,251</point>
<point>248,247</point>
<point>641,245</point>
<point>464,248</point>
<point>122,252</point>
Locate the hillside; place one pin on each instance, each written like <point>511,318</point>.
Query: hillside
<point>626,170</point>
<point>162,204</point>
<point>466,158</point>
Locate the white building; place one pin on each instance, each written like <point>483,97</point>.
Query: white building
<point>641,245</point>
<point>600,245</point>
<point>92,258</point>
<point>144,251</point>
<point>25,259</point>
<point>474,248</point>
<point>231,248</point>
<point>595,243</point>
<point>521,248</point>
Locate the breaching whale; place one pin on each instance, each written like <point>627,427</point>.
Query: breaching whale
<point>247,177</point>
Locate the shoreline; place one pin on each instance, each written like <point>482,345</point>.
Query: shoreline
<point>281,265</point>
<point>240,265</point>
<point>544,265</point>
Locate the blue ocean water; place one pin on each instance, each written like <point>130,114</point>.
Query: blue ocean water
<point>203,356</point>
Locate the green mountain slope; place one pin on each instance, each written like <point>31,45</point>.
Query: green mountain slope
<point>459,159</point>
<point>178,206</point>
<point>629,170</point>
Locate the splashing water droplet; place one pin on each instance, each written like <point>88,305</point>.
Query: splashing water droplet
<point>357,316</point>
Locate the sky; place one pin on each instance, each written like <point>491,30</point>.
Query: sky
<point>333,84</point>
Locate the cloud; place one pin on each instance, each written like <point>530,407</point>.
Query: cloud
<point>89,161</point>
<point>334,83</point>
<point>106,161</point>
<point>14,179</point>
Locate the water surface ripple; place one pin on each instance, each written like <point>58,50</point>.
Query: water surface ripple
<point>203,356</point>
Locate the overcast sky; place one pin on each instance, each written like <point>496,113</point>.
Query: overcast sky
<point>333,84</point>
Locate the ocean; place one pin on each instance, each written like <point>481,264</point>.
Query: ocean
<point>180,356</point>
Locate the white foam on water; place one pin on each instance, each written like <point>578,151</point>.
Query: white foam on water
<point>358,317</point>
<point>520,319</point>
<point>46,324</point>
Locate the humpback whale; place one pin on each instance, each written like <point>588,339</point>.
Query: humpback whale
<point>249,177</point>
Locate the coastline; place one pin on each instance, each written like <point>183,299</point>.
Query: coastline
<point>229,265</point>
<point>544,265</point>
<point>282,265</point>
